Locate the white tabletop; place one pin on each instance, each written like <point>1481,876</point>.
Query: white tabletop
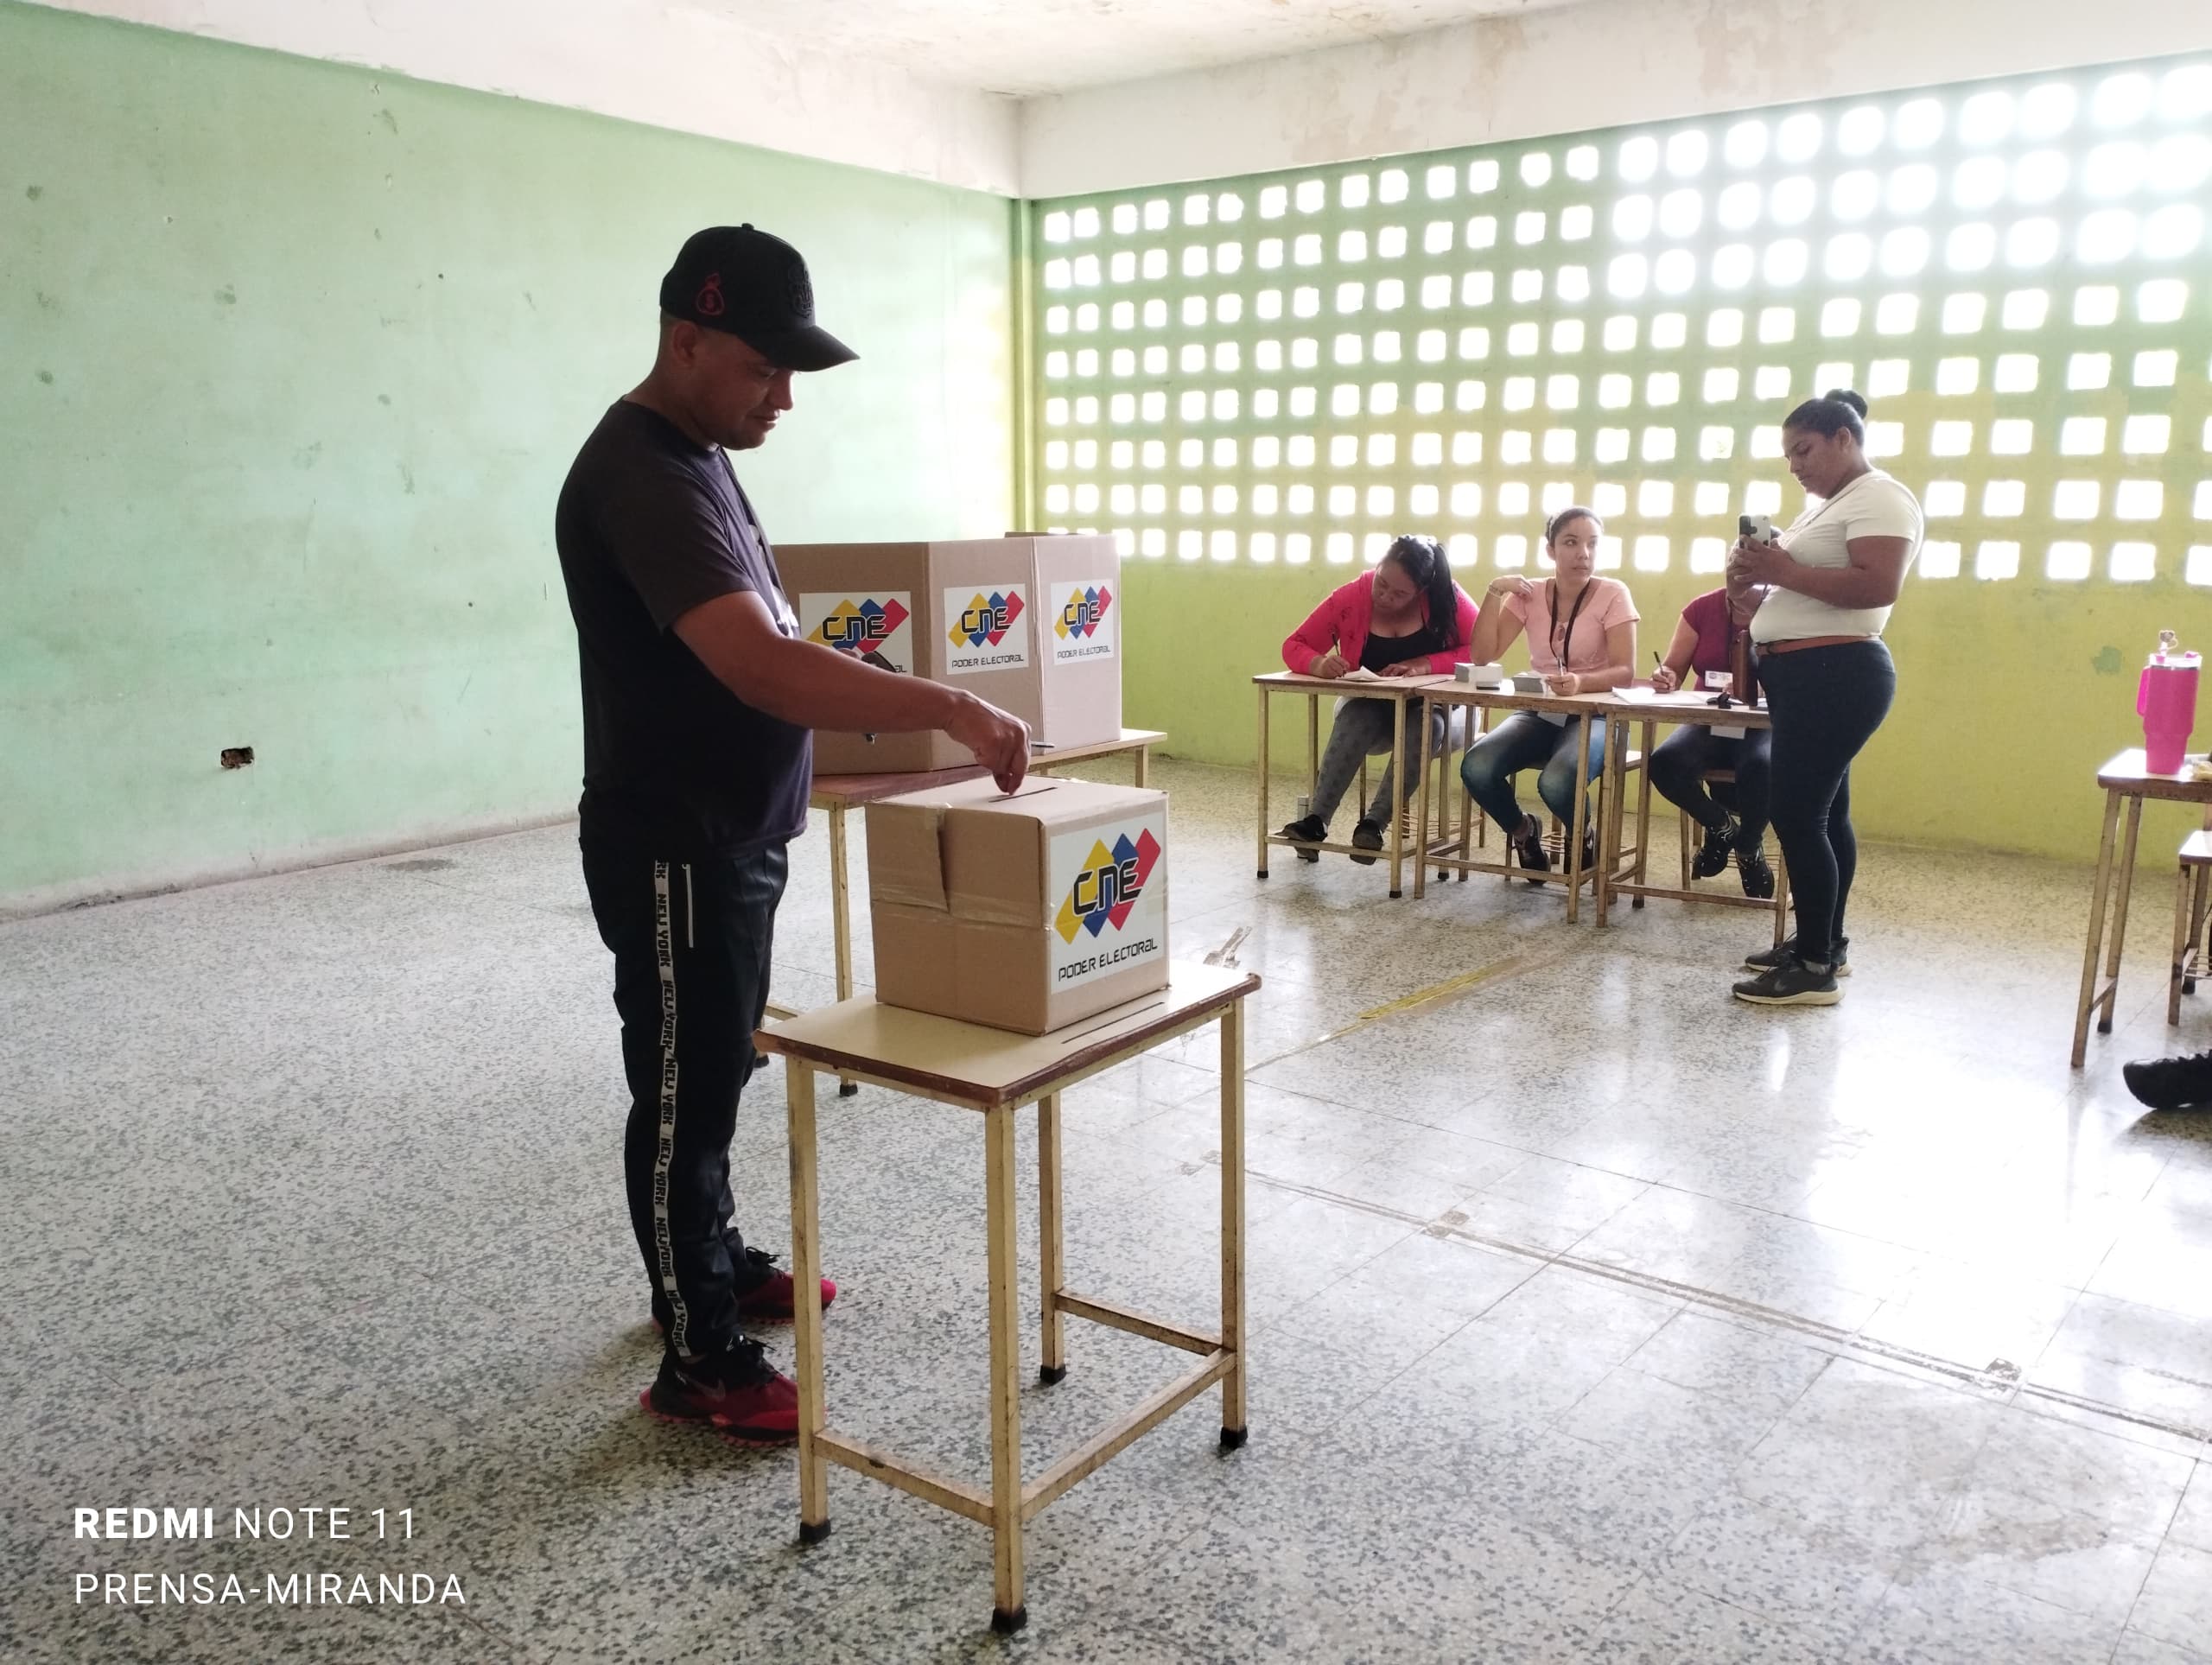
<point>973,1064</point>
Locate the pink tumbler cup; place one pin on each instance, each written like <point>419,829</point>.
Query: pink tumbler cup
<point>2166,700</point>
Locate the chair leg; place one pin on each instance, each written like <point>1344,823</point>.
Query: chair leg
<point>2200,886</point>
<point>2185,884</point>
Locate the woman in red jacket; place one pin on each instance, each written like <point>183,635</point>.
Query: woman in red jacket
<point>1405,618</point>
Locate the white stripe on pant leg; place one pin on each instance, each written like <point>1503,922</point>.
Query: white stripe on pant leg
<point>680,1326</point>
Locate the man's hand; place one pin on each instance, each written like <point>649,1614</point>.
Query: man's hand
<point>1330,665</point>
<point>1664,681</point>
<point>1416,667</point>
<point>999,742</point>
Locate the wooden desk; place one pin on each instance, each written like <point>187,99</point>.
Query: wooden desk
<point>838,793</point>
<point>995,1073</point>
<point>1585,709</point>
<point>1624,714</point>
<point>2124,777</point>
<point>1400,691</point>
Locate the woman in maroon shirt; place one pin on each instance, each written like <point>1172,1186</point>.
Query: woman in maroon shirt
<point>1710,642</point>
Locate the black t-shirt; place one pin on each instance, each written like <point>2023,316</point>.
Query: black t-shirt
<point>650,525</point>
<point>1382,651</point>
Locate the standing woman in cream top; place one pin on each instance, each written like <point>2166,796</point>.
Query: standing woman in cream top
<point>1828,585</point>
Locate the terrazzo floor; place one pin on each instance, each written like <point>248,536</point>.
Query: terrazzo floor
<point>1598,1318</point>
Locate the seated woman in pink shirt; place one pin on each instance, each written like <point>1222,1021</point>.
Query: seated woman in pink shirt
<point>1582,639</point>
<point>1407,617</point>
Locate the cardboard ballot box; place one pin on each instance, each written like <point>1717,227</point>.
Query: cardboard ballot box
<point>1031,624</point>
<point>1025,913</point>
<point>1079,637</point>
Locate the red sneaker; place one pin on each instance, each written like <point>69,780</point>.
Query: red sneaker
<point>770,1300</point>
<point>734,1392</point>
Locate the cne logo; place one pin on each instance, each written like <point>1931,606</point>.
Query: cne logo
<point>860,626</point>
<point>1083,613</point>
<point>1107,885</point>
<point>985,620</point>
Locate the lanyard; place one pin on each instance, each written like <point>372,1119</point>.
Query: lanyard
<point>1572,613</point>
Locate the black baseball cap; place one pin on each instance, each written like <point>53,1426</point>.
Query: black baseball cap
<point>753,286</point>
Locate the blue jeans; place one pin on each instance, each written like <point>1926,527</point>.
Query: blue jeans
<point>1525,741</point>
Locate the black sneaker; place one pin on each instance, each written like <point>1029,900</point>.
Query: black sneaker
<point>2170,1083</point>
<point>736,1392</point>
<point>1367,836</point>
<point>1758,884</point>
<point>1590,848</point>
<point>1767,959</point>
<point>1793,984</point>
<point>1711,855</point>
<point>1311,830</point>
<point>1529,846</point>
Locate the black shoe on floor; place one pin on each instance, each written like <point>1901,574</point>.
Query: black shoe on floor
<point>1589,850</point>
<point>2170,1083</point>
<point>1367,836</point>
<point>1311,830</point>
<point>1793,984</point>
<point>1767,959</point>
<point>736,1392</point>
<point>1529,846</point>
<point>1711,855</point>
<point>1758,884</point>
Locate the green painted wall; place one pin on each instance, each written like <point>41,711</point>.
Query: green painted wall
<point>296,356</point>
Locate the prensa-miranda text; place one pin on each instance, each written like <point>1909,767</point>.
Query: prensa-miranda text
<point>293,1590</point>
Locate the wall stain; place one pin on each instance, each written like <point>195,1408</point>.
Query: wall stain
<point>46,376</point>
<point>227,295</point>
<point>46,302</point>
<point>388,119</point>
<point>407,479</point>
<point>2107,662</point>
<point>34,192</point>
<point>307,457</point>
<point>384,399</point>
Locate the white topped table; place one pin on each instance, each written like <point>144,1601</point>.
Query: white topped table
<point>995,1072</point>
<point>1643,707</point>
<point>1399,690</point>
<point>2129,777</point>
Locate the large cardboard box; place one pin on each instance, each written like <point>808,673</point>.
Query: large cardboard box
<point>962,612</point>
<point>1079,637</point>
<point>1029,622</point>
<point>1025,913</point>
